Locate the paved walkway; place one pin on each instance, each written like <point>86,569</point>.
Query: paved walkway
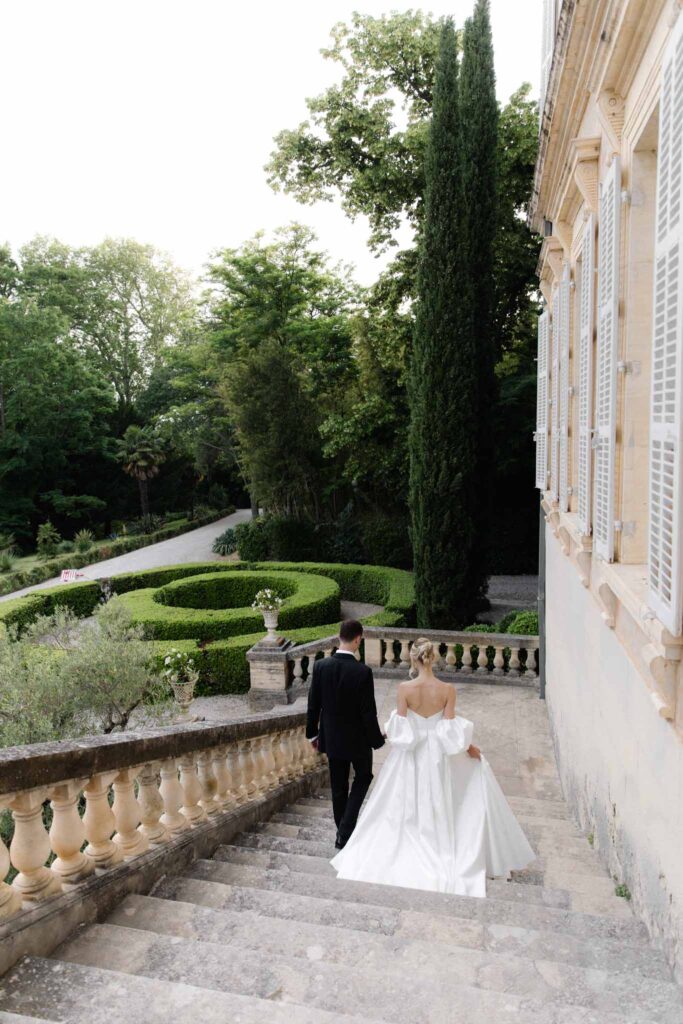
<point>194,546</point>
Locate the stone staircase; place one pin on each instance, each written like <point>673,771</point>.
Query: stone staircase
<point>264,932</point>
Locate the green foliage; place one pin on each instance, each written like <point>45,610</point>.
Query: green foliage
<point>443,386</point>
<point>623,891</point>
<point>61,679</point>
<point>218,605</point>
<point>524,624</point>
<point>225,543</point>
<point>7,560</point>
<point>479,169</point>
<point>252,540</point>
<point>84,540</point>
<point>47,540</point>
<point>141,453</point>
<point>65,547</point>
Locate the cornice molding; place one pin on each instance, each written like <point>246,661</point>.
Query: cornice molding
<point>586,170</point>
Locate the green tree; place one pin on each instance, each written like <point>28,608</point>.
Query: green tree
<point>442,386</point>
<point>479,134</point>
<point>277,431</point>
<point>141,453</point>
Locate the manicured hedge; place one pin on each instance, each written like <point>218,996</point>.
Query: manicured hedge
<point>312,599</point>
<point>221,661</point>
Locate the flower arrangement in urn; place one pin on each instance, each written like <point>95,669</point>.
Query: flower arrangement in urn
<point>269,603</point>
<point>181,674</point>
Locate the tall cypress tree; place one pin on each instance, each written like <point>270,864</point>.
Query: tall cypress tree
<point>443,386</point>
<point>479,127</point>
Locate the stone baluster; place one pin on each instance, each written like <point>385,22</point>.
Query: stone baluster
<point>30,848</point>
<point>127,814</point>
<point>513,665</point>
<point>284,757</point>
<point>312,756</point>
<point>172,795</point>
<point>296,753</point>
<point>259,767</point>
<point>466,659</point>
<point>207,782</point>
<point>297,671</point>
<point>482,660</point>
<point>451,660</point>
<point>192,791</point>
<point>10,898</point>
<point>530,665</point>
<point>67,833</point>
<point>245,769</point>
<point>269,761</point>
<point>499,662</point>
<point>405,654</point>
<point>151,806</point>
<point>225,770</point>
<point>100,823</point>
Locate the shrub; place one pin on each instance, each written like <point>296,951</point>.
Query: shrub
<point>524,624</point>
<point>60,679</point>
<point>65,547</point>
<point>47,540</point>
<point>202,512</point>
<point>385,540</point>
<point>84,540</point>
<point>8,541</point>
<point>225,543</point>
<point>252,540</point>
<point>6,560</point>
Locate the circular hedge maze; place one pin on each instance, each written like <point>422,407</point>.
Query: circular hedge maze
<point>205,608</point>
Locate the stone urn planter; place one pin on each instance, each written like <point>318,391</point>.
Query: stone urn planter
<point>268,602</point>
<point>270,621</point>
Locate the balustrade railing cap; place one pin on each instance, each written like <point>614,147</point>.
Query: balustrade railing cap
<point>41,764</point>
<point>447,636</point>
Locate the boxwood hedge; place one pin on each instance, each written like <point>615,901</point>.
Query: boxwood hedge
<point>221,662</point>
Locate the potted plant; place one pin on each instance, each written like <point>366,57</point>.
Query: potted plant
<point>181,674</point>
<point>269,603</point>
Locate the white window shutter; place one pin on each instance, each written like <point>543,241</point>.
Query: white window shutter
<point>586,315</point>
<point>548,33</point>
<point>542,403</point>
<point>665,557</point>
<point>607,356</point>
<point>555,394</point>
<point>563,353</point>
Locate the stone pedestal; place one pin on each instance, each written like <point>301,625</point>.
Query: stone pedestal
<point>269,672</point>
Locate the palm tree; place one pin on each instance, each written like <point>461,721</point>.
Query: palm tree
<point>141,453</point>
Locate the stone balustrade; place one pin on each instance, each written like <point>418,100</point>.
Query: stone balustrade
<point>484,656</point>
<point>115,807</point>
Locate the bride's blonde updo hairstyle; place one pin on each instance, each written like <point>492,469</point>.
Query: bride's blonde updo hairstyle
<point>423,652</point>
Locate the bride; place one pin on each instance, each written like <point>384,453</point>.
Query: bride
<point>436,818</point>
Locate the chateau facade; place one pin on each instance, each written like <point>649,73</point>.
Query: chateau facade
<point>608,200</point>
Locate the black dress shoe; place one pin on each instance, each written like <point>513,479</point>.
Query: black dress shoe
<point>339,843</point>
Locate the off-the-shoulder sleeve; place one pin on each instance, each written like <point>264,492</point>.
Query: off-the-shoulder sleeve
<point>454,734</point>
<point>400,732</point>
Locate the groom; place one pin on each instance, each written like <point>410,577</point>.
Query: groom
<point>342,719</point>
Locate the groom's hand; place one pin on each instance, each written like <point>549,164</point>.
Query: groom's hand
<point>474,751</point>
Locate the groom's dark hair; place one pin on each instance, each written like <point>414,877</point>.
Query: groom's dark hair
<point>350,629</point>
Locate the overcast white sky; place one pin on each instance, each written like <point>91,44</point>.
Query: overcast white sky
<point>153,118</point>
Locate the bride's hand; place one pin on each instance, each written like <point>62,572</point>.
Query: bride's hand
<point>474,751</point>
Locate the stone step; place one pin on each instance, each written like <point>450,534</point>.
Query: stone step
<point>20,1018</point>
<point>314,831</point>
<point>533,826</point>
<point>77,994</point>
<point>531,811</point>
<point>387,992</point>
<point>431,962</point>
<point>496,889</point>
<point>527,942</point>
<point>625,928</point>
<point>521,805</point>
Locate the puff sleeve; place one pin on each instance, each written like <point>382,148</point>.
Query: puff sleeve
<point>400,733</point>
<point>454,734</point>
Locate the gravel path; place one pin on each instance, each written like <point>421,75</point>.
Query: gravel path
<point>194,546</point>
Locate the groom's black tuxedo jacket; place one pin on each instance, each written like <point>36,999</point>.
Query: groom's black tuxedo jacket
<point>341,708</point>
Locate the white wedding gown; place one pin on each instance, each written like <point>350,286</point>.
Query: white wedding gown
<point>437,818</point>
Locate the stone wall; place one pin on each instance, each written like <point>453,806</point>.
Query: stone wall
<point>621,764</point>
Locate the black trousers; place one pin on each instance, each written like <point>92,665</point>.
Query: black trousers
<point>346,805</point>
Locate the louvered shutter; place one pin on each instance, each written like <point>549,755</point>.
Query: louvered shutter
<point>586,306</point>
<point>608,344</point>
<point>542,403</point>
<point>555,394</point>
<point>563,347</point>
<point>550,13</point>
<point>664,548</point>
